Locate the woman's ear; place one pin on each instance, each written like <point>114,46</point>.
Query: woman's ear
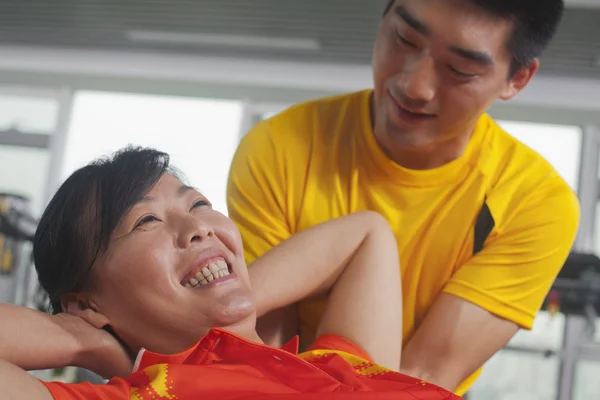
<point>80,305</point>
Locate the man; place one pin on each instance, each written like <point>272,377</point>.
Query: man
<point>483,223</point>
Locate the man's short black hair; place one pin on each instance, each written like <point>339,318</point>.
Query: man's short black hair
<point>535,23</point>
<point>76,227</point>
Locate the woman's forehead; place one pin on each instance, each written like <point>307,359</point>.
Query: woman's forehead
<point>169,186</point>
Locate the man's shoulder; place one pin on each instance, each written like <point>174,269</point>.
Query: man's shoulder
<point>324,106</point>
<point>514,160</point>
<point>519,173</point>
<point>309,118</point>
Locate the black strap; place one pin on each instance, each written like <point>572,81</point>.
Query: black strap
<point>483,227</point>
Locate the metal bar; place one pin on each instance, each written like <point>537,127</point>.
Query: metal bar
<point>253,114</point>
<point>16,138</point>
<point>588,188</point>
<point>29,91</point>
<point>588,197</point>
<point>56,147</point>
<point>58,141</point>
<point>247,119</point>
<point>534,351</point>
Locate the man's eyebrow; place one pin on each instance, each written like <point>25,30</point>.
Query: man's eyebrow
<point>473,55</point>
<point>411,20</point>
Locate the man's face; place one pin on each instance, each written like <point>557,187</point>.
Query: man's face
<point>437,66</point>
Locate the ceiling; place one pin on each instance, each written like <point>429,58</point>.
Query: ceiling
<point>338,31</point>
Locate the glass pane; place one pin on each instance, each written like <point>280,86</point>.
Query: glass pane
<point>23,171</point>
<point>547,333</point>
<point>587,381</point>
<point>521,375</point>
<point>268,115</point>
<point>201,135</point>
<point>28,114</point>
<point>517,376</point>
<point>559,144</point>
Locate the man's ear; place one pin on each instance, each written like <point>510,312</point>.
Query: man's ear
<point>80,305</point>
<point>519,80</point>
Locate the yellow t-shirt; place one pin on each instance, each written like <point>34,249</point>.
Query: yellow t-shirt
<point>319,160</point>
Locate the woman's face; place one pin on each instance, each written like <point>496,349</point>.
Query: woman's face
<point>174,268</point>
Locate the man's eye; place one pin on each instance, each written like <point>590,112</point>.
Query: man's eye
<point>461,74</point>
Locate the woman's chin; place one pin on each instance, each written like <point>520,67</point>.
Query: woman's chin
<point>239,311</point>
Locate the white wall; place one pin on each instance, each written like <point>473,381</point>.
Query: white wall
<point>200,135</point>
<point>559,144</point>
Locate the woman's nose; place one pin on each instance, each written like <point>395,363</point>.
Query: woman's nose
<point>194,230</point>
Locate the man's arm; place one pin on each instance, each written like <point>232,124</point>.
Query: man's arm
<point>354,259</point>
<point>259,203</point>
<point>499,290</point>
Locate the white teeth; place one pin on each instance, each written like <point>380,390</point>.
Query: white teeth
<point>215,270</point>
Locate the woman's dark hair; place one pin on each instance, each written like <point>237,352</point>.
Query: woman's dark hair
<point>535,23</point>
<point>76,227</point>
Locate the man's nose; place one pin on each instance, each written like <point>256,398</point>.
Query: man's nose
<point>418,81</point>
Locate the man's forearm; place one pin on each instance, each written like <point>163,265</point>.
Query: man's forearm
<point>442,377</point>
<point>32,340</point>
<point>278,327</point>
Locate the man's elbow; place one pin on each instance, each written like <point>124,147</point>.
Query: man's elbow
<point>278,327</point>
<point>443,374</point>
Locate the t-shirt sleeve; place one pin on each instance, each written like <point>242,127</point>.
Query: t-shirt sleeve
<point>116,389</point>
<point>256,195</point>
<point>515,270</point>
<point>338,343</point>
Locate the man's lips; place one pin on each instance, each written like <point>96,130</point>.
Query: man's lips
<point>410,110</point>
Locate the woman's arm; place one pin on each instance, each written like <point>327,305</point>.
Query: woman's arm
<point>32,340</point>
<point>357,253</point>
<point>16,383</point>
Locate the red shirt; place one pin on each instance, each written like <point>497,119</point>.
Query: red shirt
<point>224,366</point>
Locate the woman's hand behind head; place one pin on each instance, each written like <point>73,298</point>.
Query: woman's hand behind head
<point>98,350</point>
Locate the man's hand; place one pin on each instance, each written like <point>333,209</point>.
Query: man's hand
<point>97,350</point>
<point>454,340</point>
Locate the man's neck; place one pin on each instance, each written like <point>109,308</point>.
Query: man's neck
<point>427,157</point>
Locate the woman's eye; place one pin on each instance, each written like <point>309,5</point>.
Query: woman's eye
<point>145,220</point>
<point>200,203</point>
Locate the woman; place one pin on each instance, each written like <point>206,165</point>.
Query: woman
<point>140,270</point>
